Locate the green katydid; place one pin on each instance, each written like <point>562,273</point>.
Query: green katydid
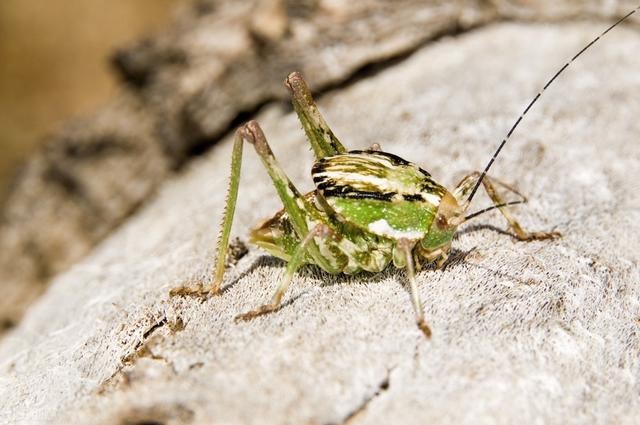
<point>369,209</point>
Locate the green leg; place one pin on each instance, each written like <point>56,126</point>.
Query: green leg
<point>294,203</point>
<point>322,139</point>
<point>467,184</point>
<point>407,247</point>
<point>294,264</point>
<point>296,206</point>
<point>227,221</point>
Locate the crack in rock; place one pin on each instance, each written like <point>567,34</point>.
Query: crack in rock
<point>141,350</point>
<point>383,386</point>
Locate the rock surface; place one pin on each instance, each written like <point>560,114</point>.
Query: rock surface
<point>187,86</point>
<point>543,332</point>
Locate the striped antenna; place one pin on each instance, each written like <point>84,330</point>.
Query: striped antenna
<point>535,99</point>
<point>493,207</point>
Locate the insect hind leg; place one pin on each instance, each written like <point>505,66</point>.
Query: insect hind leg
<point>321,138</point>
<point>294,204</point>
<point>489,183</point>
<point>294,264</point>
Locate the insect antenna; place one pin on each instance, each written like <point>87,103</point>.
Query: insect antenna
<point>535,99</point>
<point>493,207</point>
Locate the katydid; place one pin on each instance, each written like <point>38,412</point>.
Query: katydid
<point>369,208</point>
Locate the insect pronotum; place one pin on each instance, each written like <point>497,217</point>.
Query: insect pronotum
<point>369,209</point>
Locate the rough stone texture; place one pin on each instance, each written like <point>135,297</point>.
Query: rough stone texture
<point>187,86</point>
<point>536,332</point>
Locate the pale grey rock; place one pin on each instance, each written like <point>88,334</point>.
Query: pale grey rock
<point>542,332</point>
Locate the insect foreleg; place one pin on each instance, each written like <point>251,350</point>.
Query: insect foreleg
<point>521,234</point>
<point>488,183</point>
<point>406,247</point>
<point>468,182</point>
<point>322,139</point>
<point>294,264</point>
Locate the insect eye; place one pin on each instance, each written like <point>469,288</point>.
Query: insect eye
<point>441,220</point>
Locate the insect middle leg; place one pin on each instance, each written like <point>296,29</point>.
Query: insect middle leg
<point>489,185</point>
<point>406,247</point>
<point>321,138</point>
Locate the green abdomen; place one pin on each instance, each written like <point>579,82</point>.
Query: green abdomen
<point>350,249</point>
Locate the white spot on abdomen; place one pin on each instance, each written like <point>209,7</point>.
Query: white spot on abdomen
<point>382,227</point>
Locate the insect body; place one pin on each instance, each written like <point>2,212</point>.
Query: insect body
<point>369,209</point>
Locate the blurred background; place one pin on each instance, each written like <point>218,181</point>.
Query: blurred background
<point>54,63</point>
